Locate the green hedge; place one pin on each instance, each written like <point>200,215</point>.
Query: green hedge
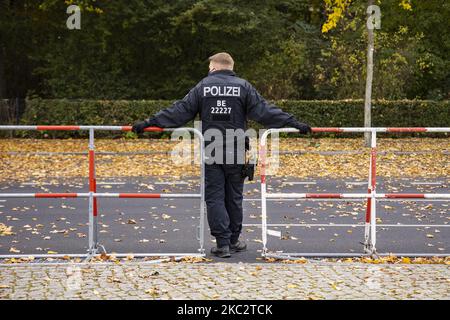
<point>344,113</point>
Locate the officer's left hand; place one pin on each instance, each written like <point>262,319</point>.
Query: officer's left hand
<point>139,127</point>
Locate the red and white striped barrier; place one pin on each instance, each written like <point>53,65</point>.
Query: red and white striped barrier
<point>84,128</point>
<point>390,130</point>
<point>102,195</point>
<point>156,129</point>
<point>93,195</point>
<point>371,195</point>
<point>357,196</point>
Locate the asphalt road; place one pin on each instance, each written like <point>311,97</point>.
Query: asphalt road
<point>169,225</point>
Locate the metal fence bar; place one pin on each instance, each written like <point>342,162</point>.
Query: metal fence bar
<point>390,130</point>
<point>368,206</point>
<point>371,246</point>
<point>270,196</point>
<point>298,255</point>
<point>101,195</point>
<point>357,195</point>
<point>156,129</point>
<point>93,220</point>
<point>351,225</point>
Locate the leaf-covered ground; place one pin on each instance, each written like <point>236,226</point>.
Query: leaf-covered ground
<point>25,159</point>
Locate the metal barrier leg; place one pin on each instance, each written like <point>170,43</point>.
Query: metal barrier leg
<point>373,208</point>
<point>262,161</point>
<point>367,229</point>
<point>368,208</point>
<point>202,197</point>
<point>92,244</point>
<point>93,227</point>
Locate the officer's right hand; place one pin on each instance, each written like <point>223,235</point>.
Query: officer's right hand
<point>139,127</point>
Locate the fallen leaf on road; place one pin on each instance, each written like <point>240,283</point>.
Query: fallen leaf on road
<point>5,230</point>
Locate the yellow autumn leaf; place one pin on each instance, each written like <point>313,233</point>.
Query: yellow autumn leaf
<point>406,260</point>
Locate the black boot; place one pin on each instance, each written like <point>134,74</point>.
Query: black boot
<point>222,252</point>
<point>238,247</point>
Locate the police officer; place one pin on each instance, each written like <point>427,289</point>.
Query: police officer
<point>223,101</point>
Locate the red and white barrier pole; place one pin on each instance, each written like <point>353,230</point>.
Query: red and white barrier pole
<point>44,195</point>
<point>368,208</point>
<point>262,169</point>
<point>373,186</point>
<point>357,195</point>
<point>102,195</point>
<point>72,128</point>
<point>197,195</point>
<point>362,129</point>
<point>93,228</point>
<point>148,195</point>
<point>156,129</point>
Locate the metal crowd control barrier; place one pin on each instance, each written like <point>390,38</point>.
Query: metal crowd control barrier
<point>92,195</point>
<point>371,196</point>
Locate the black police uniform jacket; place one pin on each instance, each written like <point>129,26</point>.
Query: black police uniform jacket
<point>223,101</point>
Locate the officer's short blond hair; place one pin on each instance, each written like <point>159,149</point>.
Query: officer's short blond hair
<point>224,59</point>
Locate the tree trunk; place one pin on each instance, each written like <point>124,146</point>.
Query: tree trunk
<point>2,75</point>
<point>369,79</point>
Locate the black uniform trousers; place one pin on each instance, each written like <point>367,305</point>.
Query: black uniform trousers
<point>224,186</point>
